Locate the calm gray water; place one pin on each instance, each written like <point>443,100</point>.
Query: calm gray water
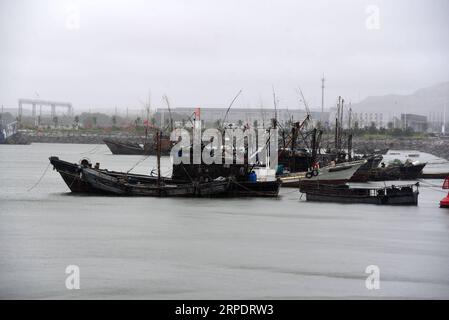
<point>207,248</point>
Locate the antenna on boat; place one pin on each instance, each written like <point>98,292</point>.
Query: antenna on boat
<point>275,109</point>
<point>229,108</point>
<point>169,112</point>
<point>322,94</point>
<point>304,101</point>
<point>148,114</point>
<point>158,152</point>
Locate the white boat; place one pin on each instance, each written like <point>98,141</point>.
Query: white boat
<point>333,174</point>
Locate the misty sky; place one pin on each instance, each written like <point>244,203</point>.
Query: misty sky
<point>200,53</point>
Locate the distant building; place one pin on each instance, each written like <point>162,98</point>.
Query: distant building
<point>366,119</point>
<point>240,115</point>
<point>414,121</point>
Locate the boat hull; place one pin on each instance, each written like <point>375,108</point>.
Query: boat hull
<point>71,174</point>
<point>411,200</point>
<point>333,175</point>
<point>400,195</point>
<point>122,186</point>
<point>402,172</point>
<point>84,179</point>
<point>255,189</point>
<point>123,148</point>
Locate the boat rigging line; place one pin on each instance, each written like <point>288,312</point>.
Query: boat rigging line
<point>40,179</point>
<point>229,108</point>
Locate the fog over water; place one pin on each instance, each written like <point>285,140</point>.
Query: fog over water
<point>106,54</point>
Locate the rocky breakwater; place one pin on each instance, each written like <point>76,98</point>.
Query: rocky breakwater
<point>438,146</point>
<point>76,137</point>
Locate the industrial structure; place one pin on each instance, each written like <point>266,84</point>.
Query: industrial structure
<point>43,103</point>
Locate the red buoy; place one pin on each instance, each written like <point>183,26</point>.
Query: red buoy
<point>445,202</point>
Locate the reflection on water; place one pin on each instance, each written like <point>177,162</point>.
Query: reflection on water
<point>207,248</point>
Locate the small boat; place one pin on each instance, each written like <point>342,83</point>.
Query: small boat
<point>333,174</point>
<point>132,148</point>
<point>123,147</point>
<point>83,178</point>
<point>392,195</point>
<point>404,171</point>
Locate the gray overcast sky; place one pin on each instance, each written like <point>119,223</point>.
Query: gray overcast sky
<point>200,53</point>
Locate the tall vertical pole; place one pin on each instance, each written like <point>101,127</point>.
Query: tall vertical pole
<point>322,94</point>
<point>350,117</point>
<point>340,127</point>
<point>443,128</point>
<point>158,138</point>
<point>337,114</point>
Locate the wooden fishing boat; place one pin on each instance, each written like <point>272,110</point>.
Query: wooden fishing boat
<point>82,178</point>
<point>152,187</point>
<point>333,174</point>
<point>85,178</point>
<point>363,173</point>
<point>406,171</point>
<point>120,147</point>
<point>392,195</point>
<point>254,189</point>
<point>123,147</point>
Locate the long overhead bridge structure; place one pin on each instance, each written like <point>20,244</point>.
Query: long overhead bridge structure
<point>44,103</point>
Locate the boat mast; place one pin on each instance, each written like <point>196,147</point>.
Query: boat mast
<point>158,152</point>
<point>337,114</point>
<point>322,95</point>
<point>275,110</point>
<point>443,127</point>
<point>148,116</point>
<point>340,127</point>
<point>169,113</point>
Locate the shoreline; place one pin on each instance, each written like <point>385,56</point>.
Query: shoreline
<point>438,146</point>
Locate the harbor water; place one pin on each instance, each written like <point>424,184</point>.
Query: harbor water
<point>168,248</point>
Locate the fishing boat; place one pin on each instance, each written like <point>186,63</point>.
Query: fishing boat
<point>243,180</point>
<point>83,178</point>
<point>121,147</point>
<point>398,171</point>
<point>157,188</point>
<point>388,195</point>
<point>333,174</point>
<point>363,173</point>
<point>124,147</point>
